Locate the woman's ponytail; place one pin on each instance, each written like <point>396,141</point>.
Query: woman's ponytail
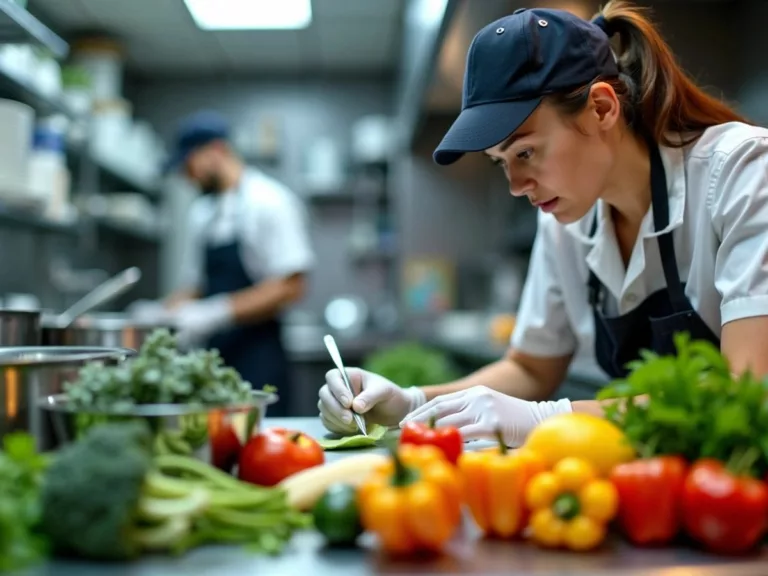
<point>664,98</point>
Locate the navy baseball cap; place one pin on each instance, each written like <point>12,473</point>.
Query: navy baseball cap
<point>195,131</point>
<point>512,64</point>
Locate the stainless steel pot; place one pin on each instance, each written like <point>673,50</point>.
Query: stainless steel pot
<point>29,373</point>
<point>110,330</point>
<point>20,328</point>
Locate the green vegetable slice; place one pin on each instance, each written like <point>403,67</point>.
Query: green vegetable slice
<point>376,432</point>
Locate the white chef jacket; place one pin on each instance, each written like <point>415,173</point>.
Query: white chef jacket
<point>266,217</point>
<point>718,212</point>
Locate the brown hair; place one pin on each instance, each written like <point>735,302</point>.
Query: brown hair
<point>657,97</point>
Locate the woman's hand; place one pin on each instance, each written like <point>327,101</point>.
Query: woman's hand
<point>376,398</point>
<point>479,411</point>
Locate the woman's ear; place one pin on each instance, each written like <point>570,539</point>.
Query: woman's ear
<point>605,105</point>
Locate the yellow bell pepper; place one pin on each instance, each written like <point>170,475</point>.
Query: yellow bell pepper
<point>494,488</point>
<point>570,505</point>
<point>413,501</point>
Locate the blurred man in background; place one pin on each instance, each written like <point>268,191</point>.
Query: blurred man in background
<point>247,259</point>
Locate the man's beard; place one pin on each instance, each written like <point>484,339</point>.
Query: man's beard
<point>212,184</point>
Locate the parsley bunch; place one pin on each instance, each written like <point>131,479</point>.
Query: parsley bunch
<point>159,374</point>
<point>693,406</point>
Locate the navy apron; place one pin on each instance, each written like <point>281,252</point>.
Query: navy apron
<point>254,350</point>
<point>652,325</point>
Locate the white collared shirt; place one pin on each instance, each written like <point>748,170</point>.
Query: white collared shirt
<point>718,212</point>
<point>266,217</point>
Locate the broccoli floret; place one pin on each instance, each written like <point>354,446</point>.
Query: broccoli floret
<point>107,498</point>
<point>92,490</point>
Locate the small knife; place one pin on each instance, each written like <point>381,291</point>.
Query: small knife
<point>333,350</point>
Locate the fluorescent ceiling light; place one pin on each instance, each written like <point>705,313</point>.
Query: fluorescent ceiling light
<point>250,14</point>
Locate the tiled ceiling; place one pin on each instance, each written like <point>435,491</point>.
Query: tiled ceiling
<point>346,36</point>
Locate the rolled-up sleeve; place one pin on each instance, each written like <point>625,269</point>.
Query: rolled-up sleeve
<point>543,327</point>
<point>738,199</point>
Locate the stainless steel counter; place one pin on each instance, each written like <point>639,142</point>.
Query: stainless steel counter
<point>466,555</point>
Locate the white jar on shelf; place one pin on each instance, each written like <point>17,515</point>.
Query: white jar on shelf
<point>16,127</point>
<point>49,178</point>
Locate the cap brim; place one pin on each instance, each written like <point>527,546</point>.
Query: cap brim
<point>482,127</point>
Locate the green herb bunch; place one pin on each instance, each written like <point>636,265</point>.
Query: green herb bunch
<point>21,473</point>
<point>159,374</point>
<point>691,405</point>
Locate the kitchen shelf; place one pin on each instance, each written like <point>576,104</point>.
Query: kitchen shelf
<point>128,229</point>
<point>14,216</point>
<point>123,178</point>
<point>23,91</point>
<point>18,26</point>
<point>373,256</point>
<point>113,176</point>
<point>349,195</point>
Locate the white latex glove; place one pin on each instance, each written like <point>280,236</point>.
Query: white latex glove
<point>198,319</point>
<point>148,311</point>
<point>479,411</point>
<point>376,398</point>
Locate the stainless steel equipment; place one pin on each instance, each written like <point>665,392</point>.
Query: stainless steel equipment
<point>211,434</point>
<point>104,329</point>
<point>20,328</point>
<point>102,294</point>
<point>28,373</point>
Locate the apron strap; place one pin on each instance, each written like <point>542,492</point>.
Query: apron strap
<point>593,286</point>
<point>660,203</point>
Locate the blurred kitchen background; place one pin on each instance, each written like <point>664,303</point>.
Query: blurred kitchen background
<point>346,111</point>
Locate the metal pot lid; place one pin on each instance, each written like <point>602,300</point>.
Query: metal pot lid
<point>31,356</point>
<point>103,321</point>
<point>19,312</point>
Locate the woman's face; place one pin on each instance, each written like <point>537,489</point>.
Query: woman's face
<point>560,163</point>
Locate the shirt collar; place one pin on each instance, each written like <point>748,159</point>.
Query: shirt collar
<point>674,167</point>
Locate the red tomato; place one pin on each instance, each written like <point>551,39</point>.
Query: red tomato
<point>447,439</point>
<point>277,453</point>
<point>225,445</point>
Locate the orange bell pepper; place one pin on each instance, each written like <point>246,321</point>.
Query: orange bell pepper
<point>413,502</point>
<point>494,488</point>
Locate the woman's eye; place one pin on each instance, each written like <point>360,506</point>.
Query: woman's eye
<point>525,154</point>
<point>497,162</point>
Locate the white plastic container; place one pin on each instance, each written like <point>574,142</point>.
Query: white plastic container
<point>16,126</point>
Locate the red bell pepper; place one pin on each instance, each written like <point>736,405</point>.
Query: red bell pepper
<point>725,511</point>
<point>649,498</point>
<point>447,439</point>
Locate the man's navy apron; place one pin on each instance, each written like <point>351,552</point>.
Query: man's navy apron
<point>254,350</point>
<point>652,325</point>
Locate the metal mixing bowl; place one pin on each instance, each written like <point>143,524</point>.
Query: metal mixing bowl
<point>211,434</point>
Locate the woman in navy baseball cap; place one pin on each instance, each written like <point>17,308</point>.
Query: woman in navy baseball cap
<point>653,217</point>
